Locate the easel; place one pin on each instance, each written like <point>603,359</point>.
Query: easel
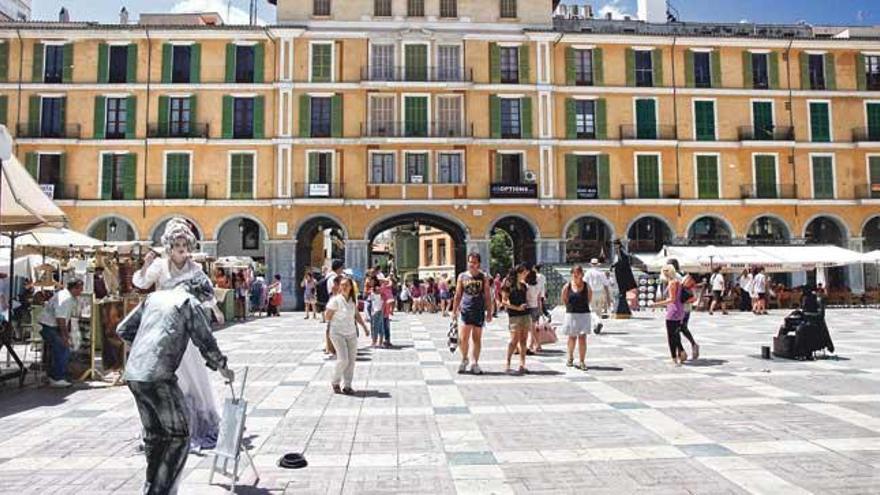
<point>229,446</point>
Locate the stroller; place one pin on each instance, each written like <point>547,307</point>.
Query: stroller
<point>802,333</point>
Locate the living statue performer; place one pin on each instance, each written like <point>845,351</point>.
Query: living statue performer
<point>625,281</point>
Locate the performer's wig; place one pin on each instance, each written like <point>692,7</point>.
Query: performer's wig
<point>178,229</point>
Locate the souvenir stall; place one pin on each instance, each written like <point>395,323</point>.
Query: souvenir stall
<point>224,272</point>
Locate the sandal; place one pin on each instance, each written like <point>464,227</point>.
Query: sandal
<point>579,366</point>
<point>348,391</point>
<point>570,363</point>
<point>337,389</point>
<point>523,371</point>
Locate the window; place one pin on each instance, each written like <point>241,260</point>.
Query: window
<point>508,9</point>
<point>449,63</point>
<point>646,119</point>
<point>762,119</point>
<point>51,124</point>
<point>250,234</point>
<point>873,118</point>
<point>448,8</point>
<point>382,168</point>
<point>872,72</point>
<point>118,65</point>
<point>707,177</point>
<point>587,177</point>
<point>583,67</point>
<point>823,177</point>
<point>704,120</point>
<point>382,63</point>
<point>322,62</point>
<point>243,118</point>
<point>449,114</point>
<point>382,116</point>
<point>382,8</point>
<point>180,63</point>
<point>817,71</point>
<point>53,63</point>
<point>449,168</point>
<point>244,63</point>
<point>509,64</point>
<point>644,68</point>
<point>702,69</point>
<point>116,118</point>
<point>429,252</point>
<point>648,176</point>
<point>241,176</point>
<point>114,180</point>
<point>416,168</point>
<point>765,176</point>
<point>50,171</point>
<point>321,7</point>
<point>510,118</point>
<point>177,175</point>
<point>441,250</point>
<point>820,122</point>
<point>585,119</point>
<point>415,8</point>
<point>760,71</point>
<point>416,62</point>
<point>320,168</point>
<point>415,112</point>
<point>874,177</point>
<point>321,116</point>
<point>511,169</point>
<point>179,116</point>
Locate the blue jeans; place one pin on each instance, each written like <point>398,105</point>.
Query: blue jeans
<point>387,328</point>
<point>377,326</point>
<point>60,352</point>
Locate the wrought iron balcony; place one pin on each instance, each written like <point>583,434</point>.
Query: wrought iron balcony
<point>61,191</point>
<point>768,191</point>
<point>867,191</point>
<point>35,130</point>
<point>191,131</point>
<point>649,191</point>
<point>318,190</point>
<point>417,129</point>
<point>866,134</point>
<point>649,132</point>
<point>416,74</point>
<point>771,133</point>
<point>164,191</point>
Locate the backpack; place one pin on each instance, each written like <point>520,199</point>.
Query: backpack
<point>323,295</point>
<point>684,295</point>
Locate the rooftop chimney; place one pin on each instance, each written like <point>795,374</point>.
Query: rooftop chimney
<point>123,16</point>
<point>652,11</point>
<point>64,15</point>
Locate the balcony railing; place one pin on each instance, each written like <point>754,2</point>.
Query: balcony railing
<point>30,130</point>
<point>311,190</point>
<point>649,191</point>
<point>867,191</point>
<point>61,191</point>
<point>417,129</point>
<point>163,191</point>
<point>193,131</point>
<point>649,132</point>
<point>866,134</point>
<point>772,133</point>
<point>504,190</point>
<point>416,74</point>
<point>768,191</point>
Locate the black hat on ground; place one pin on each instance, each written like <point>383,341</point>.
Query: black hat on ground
<point>292,461</point>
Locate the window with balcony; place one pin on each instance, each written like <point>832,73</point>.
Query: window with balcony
<point>586,176</point>
<point>321,7</point>
<point>179,115</point>
<point>449,63</point>
<point>382,168</point>
<point>322,62</point>
<point>382,62</point>
<point>382,8</point>
<point>52,117</point>
<point>241,175</point>
<point>177,175</point>
<point>320,173</point>
<point>508,9</point>
<point>416,62</point>
<point>53,63</point>
<point>762,120</point>
<point>181,60</point>
<point>704,120</point>
<point>648,176</point>
<point>873,177</point>
<point>382,121</point>
<point>646,118</point>
<point>765,176</point>
<point>644,64</point>
<point>820,122</point>
<point>321,118</point>
<point>510,169</point>
<point>415,114</point>
<point>448,9</point>
<point>449,168</point>
<point>118,64</point>
<point>511,125</point>
<point>118,176</point>
<point>243,118</point>
<point>449,116</point>
<point>816,69</point>
<point>509,63</point>
<point>872,72</point>
<point>50,172</point>
<point>872,111</point>
<point>245,62</point>
<point>702,69</point>
<point>823,177</point>
<point>117,118</point>
<point>416,168</point>
<point>415,8</point>
<point>760,71</point>
<point>583,67</point>
<point>585,119</point>
<point>707,177</point>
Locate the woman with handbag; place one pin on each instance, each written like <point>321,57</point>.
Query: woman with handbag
<point>513,296</point>
<point>576,325</point>
<point>343,317</point>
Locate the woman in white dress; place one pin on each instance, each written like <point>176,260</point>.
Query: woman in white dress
<point>165,273</point>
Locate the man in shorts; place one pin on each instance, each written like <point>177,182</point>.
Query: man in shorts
<point>473,306</point>
<point>718,285</point>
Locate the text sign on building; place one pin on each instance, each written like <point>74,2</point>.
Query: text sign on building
<point>514,191</point>
<point>48,190</point>
<point>319,190</point>
<point>587,192</point>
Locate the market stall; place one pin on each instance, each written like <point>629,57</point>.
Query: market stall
<point>224,272</point>
<point>733,259</point>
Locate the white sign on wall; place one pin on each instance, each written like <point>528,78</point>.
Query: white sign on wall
<point>48,190</point>
<point>319,190</point>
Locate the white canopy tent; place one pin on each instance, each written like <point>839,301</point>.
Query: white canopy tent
<point>53,237</point>
<point>736,258</point>
<point>871,257</point>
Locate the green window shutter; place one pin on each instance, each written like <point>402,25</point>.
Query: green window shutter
<point>129,176</point>
<point>107,176</point>
<point>37,69</point>
<point>646,119</point>
<point>570,119</point>
<point>630,67</point>
<point>259,62</point>
<point>495,63</point>
<point>704,120</point>
<point>415,116</point>
<point>524,66</point>
<point>598,68</point>
<point>4,61</point>
<point>62,169</point>
<point>67,72</point>
<point>63,114</point>
<point>235,167</point>
<point>32,161</point>
<point>131,68</point>
<point>601,119</point>
<point>322,55</point>
<point>525,108</point>
<point>823,177</point>
<point>689,68</point>
<point>804,61</point>
<point>648,175</point>
<point>495,117</point>
<point>603,173</point>
<point>131,117</point>
<point>100,116</point>
<point>762,115</point>
<point>765,176</point>
<point>177,176</point>
<point>34,115</point>
<point>313,168</point>
<point>167,60</point>
<point>748,80</point>
<point>195,63</point>
<point>873,110</point>
<point>715,58</point>
<point>163,115</point>
<point>861,73</point>
<point>4,110</point>
<point>820,126</point>
<point>773,68</point>
<point>830,72</point>
<point>227,117</point>
<point>337,110</point>
<point>103,63</point>
<point>230,62</point>
<point>416,60</point>
<point>497,177</point>
<point>707,177</point>
<point>305,115</point>
<point>657,62</point>
<point>259,117</point>
<point>571,162</point>
<point>569,66</point>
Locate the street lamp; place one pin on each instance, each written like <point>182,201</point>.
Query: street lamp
<point>112,226</point>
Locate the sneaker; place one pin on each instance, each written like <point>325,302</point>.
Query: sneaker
<point>475,369</point>
<point>59,383</point>
<point>598,329</point>
<point>462,368</point>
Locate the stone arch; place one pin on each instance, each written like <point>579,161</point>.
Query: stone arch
<point>637,245</point>
<point>320,216</point>
<point>718,218</point>
<point>767,240</point>
<point>451,225</point>
<point>248,216</point>
<point>580,250</point>
<point>525,218</point>
<point>234,244</point>
<point>112,216</point>
<point>159,226</point>
<point>841,224</point>
<point>370,229</point>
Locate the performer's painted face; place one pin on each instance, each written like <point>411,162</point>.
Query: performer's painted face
<point>179,252</point>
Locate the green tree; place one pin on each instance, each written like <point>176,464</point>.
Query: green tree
<point>500,252</point>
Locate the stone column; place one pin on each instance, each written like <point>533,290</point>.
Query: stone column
<point>550,251</point>
<point>479,246</point>
<point>356,256</point>
<point>856,273</point>
<point>281,259</point>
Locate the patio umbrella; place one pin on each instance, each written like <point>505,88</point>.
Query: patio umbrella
<point>54,237</point>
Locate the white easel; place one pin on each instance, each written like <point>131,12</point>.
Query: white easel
<point>229,447</point>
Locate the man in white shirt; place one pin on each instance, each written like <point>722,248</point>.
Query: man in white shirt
<point>718,286</point>
<point>55,321</point>
<point>760,284</point>
<point>600,293</point>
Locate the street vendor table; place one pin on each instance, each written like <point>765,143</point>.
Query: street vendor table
<point>226,302</point>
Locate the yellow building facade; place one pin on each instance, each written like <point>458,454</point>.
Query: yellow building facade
<point>465,116</point>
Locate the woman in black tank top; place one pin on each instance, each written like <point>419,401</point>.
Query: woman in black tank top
<point>513,295</point>
<point>576,297</point>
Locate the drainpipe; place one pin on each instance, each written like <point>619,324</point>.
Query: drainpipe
<point>791,121</point>
<point>675,119</point>
<point>20,76</point>
<point>147,118</point>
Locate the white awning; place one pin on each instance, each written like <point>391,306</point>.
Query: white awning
<point>736,258</point>
<point>872,257</point>
<point>53,237</point>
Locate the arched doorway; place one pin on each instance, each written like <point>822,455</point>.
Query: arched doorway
<point>160,229</point>
<point>709,230</point>
<point>827,230</point>
<point>242,236</point>
<point>871,236</point>
<point>522,239</point>
<point>318,240</point>
<point>768,230</point>
<point>648,235</point>
<point>586,238</point>
<point>112,229</point>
